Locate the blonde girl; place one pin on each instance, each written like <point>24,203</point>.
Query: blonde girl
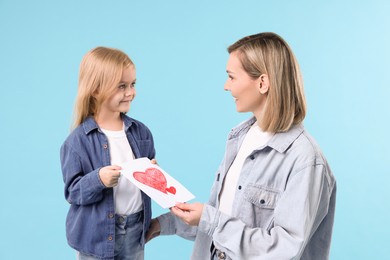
<point>108,216</point>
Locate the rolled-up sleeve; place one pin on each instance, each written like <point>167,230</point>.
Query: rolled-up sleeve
<point>172,225</point>
<point>80,188</point>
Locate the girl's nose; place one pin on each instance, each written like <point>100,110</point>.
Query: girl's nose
<point>130,91</point>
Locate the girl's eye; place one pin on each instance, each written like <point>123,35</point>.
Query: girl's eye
<point>123,86</point>
<point>230,77</point>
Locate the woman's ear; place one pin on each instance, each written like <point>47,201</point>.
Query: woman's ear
<point>95,93</point>
<point>263,84</point>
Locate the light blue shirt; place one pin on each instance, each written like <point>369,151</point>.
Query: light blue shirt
<point>283,208</point>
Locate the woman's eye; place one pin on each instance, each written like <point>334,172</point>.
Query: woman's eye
<point>133,85</point>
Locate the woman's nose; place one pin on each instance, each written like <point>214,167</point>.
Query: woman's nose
<point>226,86</point>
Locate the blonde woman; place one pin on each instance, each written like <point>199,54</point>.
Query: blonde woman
<point>108,216</point>
<point>274,194</point>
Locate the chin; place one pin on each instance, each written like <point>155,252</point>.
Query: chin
<point>124,109</point>
<point>241,110</point>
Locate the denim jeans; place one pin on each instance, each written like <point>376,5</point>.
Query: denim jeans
<point>128,232</point>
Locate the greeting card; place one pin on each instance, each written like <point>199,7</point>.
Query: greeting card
<point>155,182</point>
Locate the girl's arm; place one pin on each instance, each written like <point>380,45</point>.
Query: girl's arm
<point>80,188</point>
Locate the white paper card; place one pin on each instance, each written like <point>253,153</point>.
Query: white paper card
<point>155,182</point>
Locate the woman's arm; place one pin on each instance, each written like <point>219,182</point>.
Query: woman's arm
<point>300,210</point>
<point>172,225</point>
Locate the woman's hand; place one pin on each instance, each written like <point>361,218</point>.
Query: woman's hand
<point>109,175</point>
<point>154,230</point>
<point>189,213</point>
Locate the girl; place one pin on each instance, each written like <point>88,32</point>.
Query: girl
<point>108,215</point>
<point>274,193</point>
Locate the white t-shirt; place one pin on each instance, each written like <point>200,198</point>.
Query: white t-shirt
<point>253,140</point>
<point>127,197</point>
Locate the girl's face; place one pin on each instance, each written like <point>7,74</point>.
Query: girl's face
<point>244,89</point>
<point>120,101</point>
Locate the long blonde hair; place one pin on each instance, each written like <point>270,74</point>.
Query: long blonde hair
<point>268,53</point>
<point>100,72</point>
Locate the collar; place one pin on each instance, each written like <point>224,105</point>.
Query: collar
<point>242,128</point>
<point>90,124</point>
<point>280,141</point>
<point>283,140</point>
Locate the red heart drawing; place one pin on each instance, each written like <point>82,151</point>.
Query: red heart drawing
<point>154,178</point>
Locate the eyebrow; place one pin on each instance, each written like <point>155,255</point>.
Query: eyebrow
<point>228,71</point>
<point>121,82</point>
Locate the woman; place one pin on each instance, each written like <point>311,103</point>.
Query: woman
<point>274,193</point>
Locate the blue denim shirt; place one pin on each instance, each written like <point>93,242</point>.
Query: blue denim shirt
<point>283,207</point>
<point>90,224</point>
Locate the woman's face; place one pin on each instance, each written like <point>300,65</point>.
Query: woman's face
<point>244,89</point>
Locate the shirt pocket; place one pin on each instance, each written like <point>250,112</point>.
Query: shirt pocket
<point>260,203</point>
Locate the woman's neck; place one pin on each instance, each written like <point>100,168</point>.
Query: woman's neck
<point>110,122</point>
<point>259,111</point>
<point>258,117</point>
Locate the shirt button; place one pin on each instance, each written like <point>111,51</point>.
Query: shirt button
<point>252,157</point>
<point>262,201</point>
<point>105,146</point>
<point>110,238</point>
<point>221,255</point>
<point>239,187</point>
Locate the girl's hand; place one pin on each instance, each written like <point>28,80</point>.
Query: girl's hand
<point>154,230</point>
<point>189,213</point>
<point>109,175</point>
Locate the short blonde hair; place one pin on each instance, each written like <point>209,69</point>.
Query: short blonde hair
<point>100,71</point>
<point>267,53</point>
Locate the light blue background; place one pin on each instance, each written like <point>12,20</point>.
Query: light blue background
<point>179,48</point>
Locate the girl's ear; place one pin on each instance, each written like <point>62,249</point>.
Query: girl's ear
<point>263,84</point>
